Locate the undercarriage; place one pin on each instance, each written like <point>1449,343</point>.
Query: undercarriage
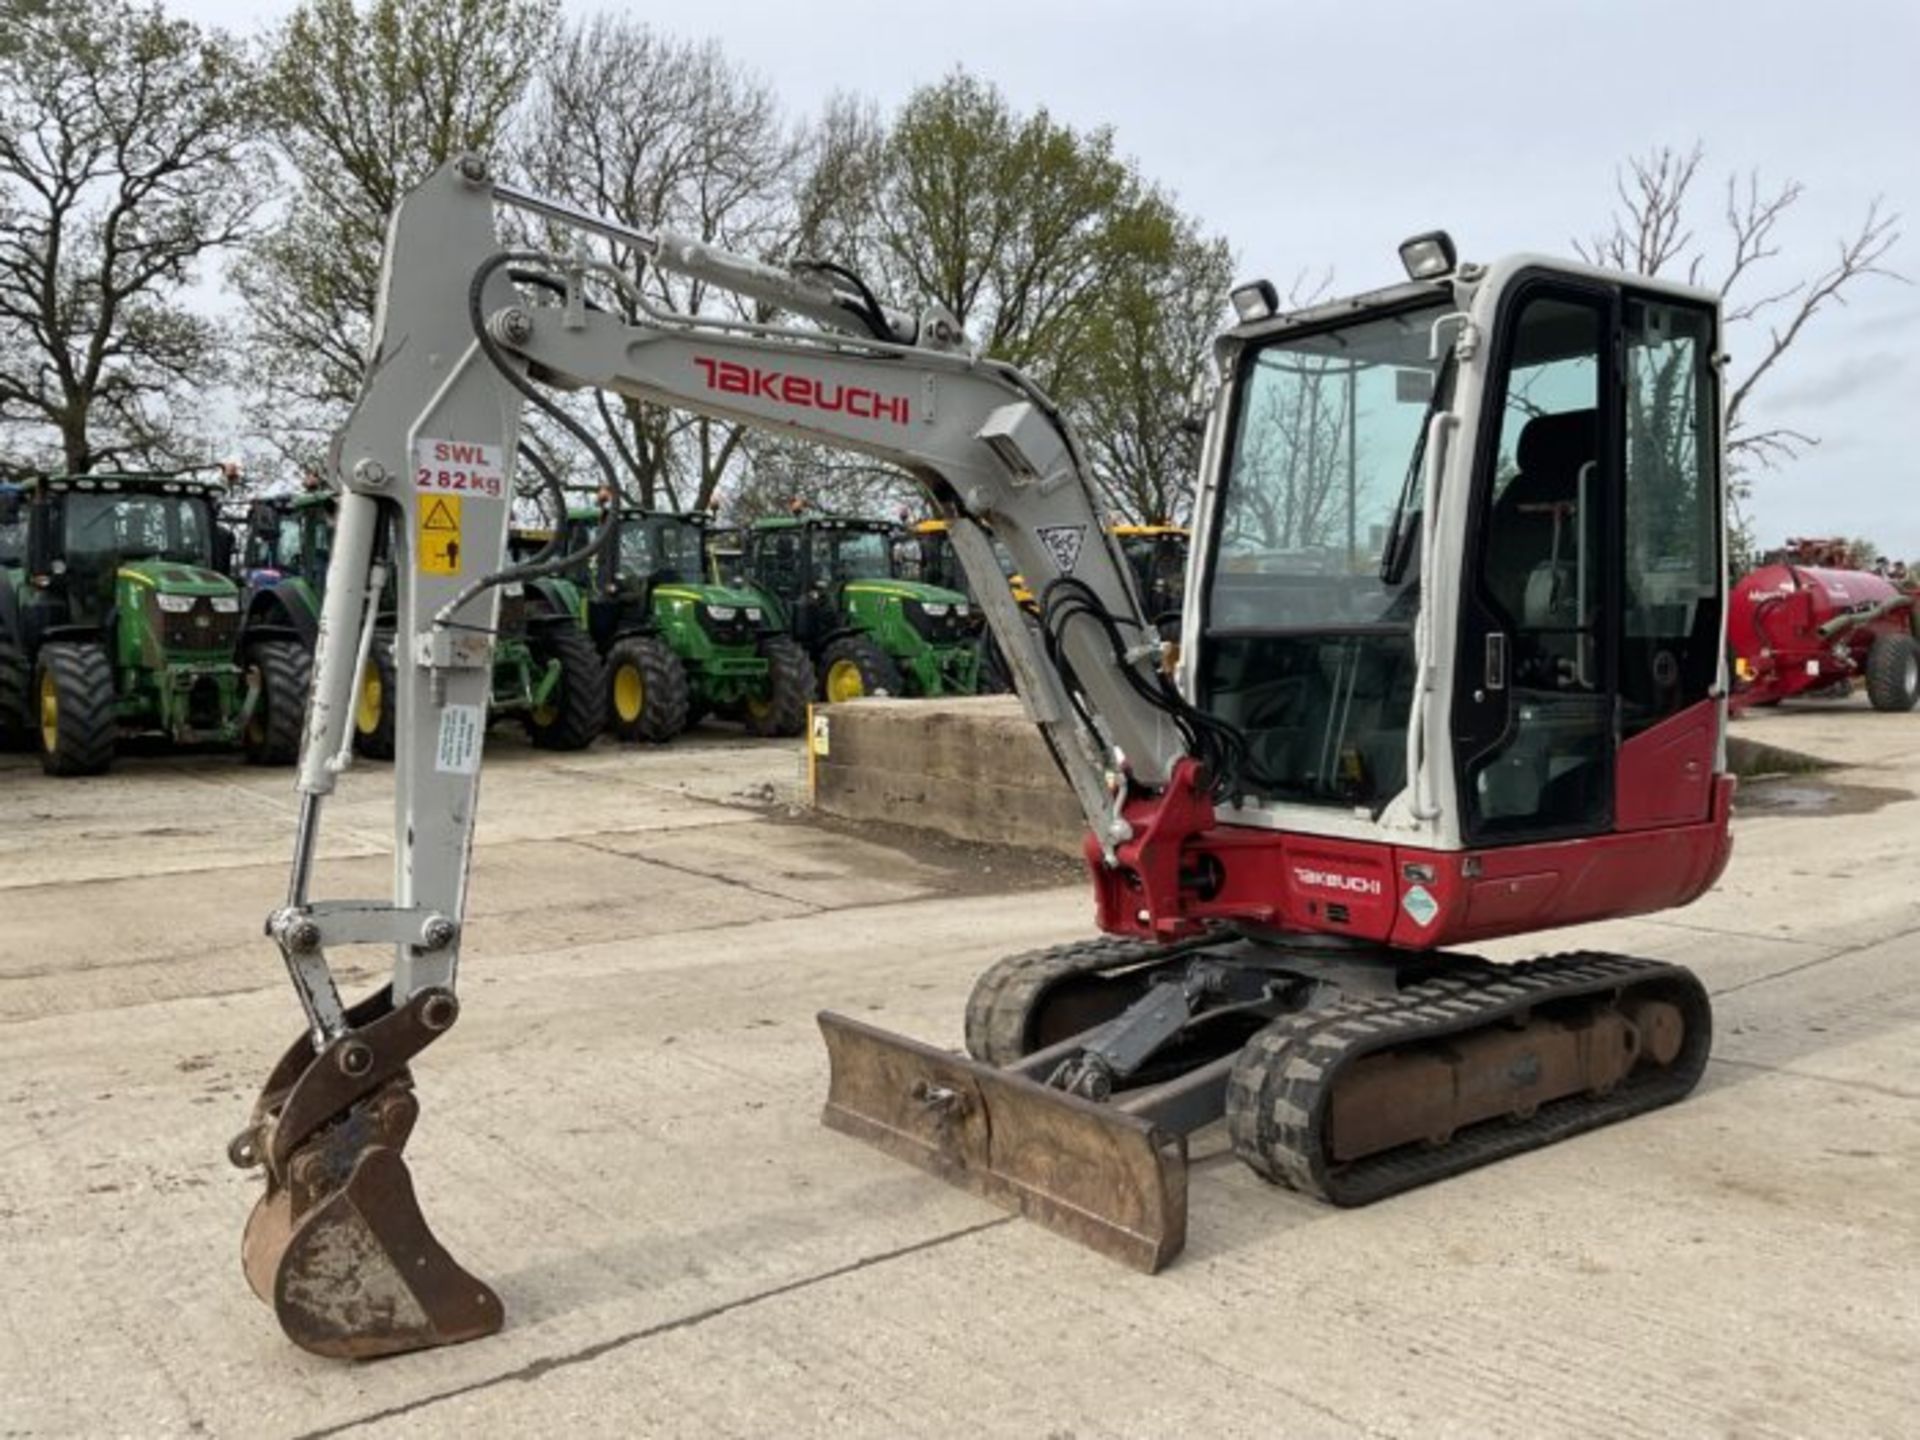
<point>1349,1073</point>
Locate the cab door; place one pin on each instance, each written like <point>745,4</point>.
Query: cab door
<point>1586,695</point>
<point>1533,704</point>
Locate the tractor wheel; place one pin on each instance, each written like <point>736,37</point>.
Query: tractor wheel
<point>284,670</point>
<point>16,681</point>
<point>646,690</point>
<point>995,675</point>
<point>853,667</point>
<point>373,703</point>
<point>74,700</point>
<point>783,709</point>
<point>1893,673</point>
<point>577,708</point>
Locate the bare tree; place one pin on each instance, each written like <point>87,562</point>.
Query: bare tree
<point>365,97</point>
<point>662,133</point>
<point>1652,232</point>
<point>125,160</point>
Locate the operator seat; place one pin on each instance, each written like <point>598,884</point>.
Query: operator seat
<point>1544,494</point>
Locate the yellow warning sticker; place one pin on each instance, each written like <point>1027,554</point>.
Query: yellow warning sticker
<point>440,534</point>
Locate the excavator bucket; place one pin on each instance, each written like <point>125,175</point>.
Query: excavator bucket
<point>360,1275</point>
<point>1110,1180</point>
<point>337,1245</point>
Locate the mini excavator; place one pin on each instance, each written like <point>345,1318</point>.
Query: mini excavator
<point>1451,668</point>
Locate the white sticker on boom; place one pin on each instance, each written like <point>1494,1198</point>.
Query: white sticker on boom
<point>1063,542</point>
<point>459,749</point>
<point>460,467</point>
<point>1420,904</point>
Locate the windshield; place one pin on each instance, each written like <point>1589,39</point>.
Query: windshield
<point>659,548</point>
<point>1311,633</point>
<point>1330,427</point>
<point>103,528</point>
<point>842,555</point>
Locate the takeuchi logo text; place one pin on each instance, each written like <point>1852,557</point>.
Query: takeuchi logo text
<point>1328,880</point>
<point>803,391</point>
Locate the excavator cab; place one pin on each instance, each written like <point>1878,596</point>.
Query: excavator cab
<point>1458,609</point>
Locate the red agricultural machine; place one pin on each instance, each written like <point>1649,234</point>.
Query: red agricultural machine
<point>1811,621</point>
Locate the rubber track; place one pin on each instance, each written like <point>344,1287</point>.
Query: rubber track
<point>1277,1099</point>
<point>1006,995</point>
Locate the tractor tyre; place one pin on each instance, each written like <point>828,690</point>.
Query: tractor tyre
<point>853,667</point>
<point>1893,673</point>
<point>575,712</point>
<point>285,670</point>
<point>74,701</point>
<point>374,699</point>
<point>16,682</point>
<point>790,684</point>
<point>646,690</point>
<point>995,676</point>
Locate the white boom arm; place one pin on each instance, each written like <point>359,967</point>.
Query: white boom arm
<point>433,439</point>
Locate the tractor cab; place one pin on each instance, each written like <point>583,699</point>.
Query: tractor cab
<point>815,566</point>
<point>924,551</point>
<point>1157,556</point>
<point>288,537</point>
<point>833,582</point>
<point>100,546</point>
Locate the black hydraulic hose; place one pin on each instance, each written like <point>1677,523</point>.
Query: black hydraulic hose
<point>1220,747</point>
<point>545,563</point>
<point>870,311</point>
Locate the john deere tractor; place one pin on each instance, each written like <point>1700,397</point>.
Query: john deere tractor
<point>830,583</point>
<point>544,672</point>
<point>678,646</point>
<point>283,562</point>
<point>116,621</point>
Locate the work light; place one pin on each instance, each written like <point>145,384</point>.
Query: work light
<point>1255,300</point>
<point>1428,256</point>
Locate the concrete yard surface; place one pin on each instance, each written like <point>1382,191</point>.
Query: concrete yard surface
<point>622,1137</point>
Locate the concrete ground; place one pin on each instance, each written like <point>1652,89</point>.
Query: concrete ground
<point>621,1136</point>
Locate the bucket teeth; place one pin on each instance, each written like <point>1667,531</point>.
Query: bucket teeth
<point>1111,1180</point>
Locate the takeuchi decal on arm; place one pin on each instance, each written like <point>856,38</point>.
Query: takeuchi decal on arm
<point>802,391</point>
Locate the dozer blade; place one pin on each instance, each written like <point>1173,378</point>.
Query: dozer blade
<point>360,1275</point>
<point>1110,1180</point>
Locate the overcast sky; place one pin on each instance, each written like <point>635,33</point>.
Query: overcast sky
<point>1316,135</point>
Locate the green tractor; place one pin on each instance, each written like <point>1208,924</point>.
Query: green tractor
<point>830,582</point>
<point>117,621</point>
<point>677,646</point>
<point>543,672</point>
<point>283,561</point>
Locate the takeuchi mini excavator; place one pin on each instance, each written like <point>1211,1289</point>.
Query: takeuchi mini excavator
<point>1451,669</point>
